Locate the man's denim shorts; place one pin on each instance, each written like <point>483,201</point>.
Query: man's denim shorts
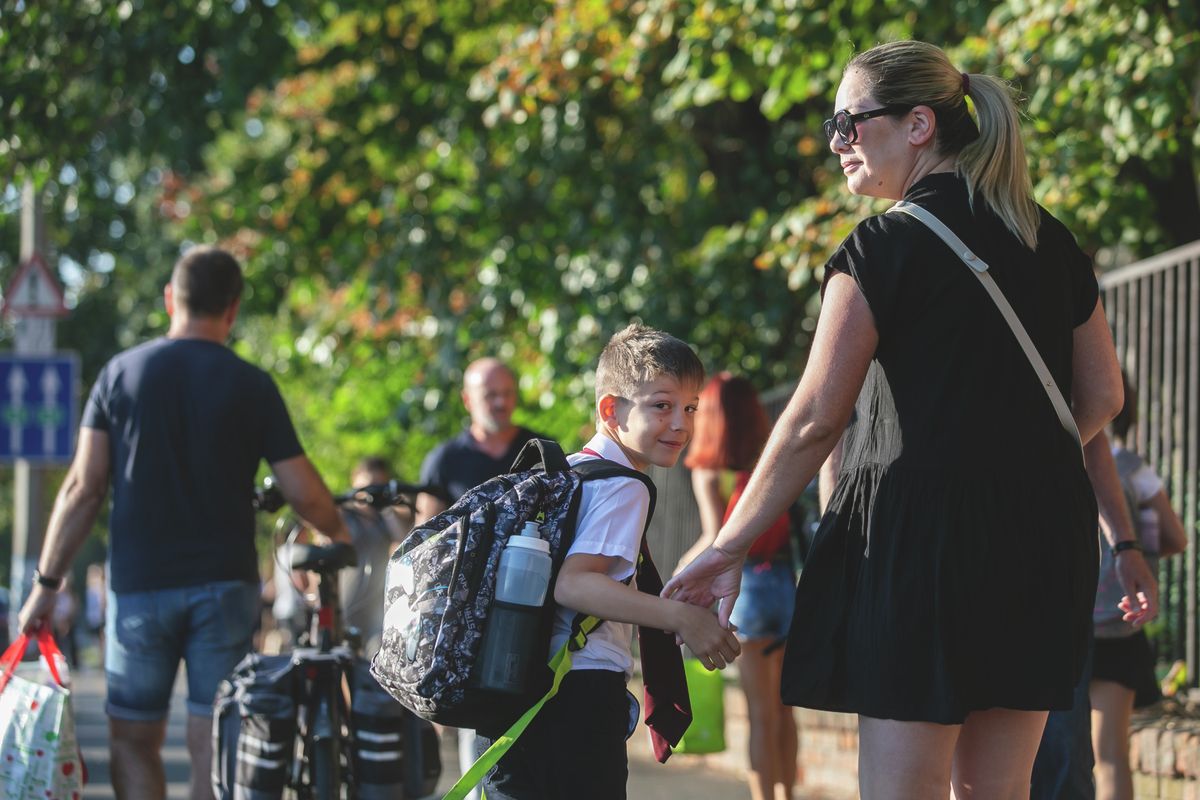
<point>764,607</point>
<point>209,626</point>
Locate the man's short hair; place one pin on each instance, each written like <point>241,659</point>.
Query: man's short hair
<point>206,281</point>
<point>639,354</point>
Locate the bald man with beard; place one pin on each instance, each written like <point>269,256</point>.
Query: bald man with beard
<point>485,449</point>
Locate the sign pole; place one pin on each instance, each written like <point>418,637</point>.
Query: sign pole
<point>34,336</point>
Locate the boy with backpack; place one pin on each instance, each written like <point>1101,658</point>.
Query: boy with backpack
<point>647,387</point>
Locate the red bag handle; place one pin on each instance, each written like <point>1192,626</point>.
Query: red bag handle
<point>16,651</point>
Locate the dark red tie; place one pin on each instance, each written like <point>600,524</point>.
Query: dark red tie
<point>667,705</point>
<point>668,708</point>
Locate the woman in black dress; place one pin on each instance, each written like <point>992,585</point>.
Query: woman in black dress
<point>947,598</point>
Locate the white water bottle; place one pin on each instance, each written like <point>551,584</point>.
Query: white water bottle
<point>510,643</point>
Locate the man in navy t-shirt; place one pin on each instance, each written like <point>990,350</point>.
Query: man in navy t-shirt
<point>179,426</point>
<point>487,447</point>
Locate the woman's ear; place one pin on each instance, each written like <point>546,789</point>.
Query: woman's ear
<point>923,125</point>
<point>606,406</point>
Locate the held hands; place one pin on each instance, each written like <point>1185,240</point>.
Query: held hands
<point>715,575</point>
<point>715,645</point>
<point>1140,603</point>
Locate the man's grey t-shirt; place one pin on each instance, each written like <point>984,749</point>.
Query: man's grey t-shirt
<point>188,423</point>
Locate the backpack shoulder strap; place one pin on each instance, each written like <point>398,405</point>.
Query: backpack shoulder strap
<point>597,469</point>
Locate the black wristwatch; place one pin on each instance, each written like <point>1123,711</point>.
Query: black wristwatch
<point>1128,544</point>
<point>46,580</point>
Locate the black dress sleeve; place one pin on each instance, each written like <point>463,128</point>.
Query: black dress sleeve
<point>1085,289</point>
<point>870,256</point>
<point>1081,280</point>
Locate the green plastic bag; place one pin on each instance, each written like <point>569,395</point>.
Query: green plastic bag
<point>706,688</point>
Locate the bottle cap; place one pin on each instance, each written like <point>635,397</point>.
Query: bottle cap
<point>531,529</point>
<point>529,543</point>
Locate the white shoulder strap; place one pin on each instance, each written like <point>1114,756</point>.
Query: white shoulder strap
<point>979,269</point>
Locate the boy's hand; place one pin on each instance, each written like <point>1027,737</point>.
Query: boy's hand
<point>715,645</point>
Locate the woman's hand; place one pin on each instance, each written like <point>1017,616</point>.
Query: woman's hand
<point>1140,602</point>
<point>713,576</point>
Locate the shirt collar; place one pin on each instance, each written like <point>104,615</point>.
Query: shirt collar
<point>609,449</point>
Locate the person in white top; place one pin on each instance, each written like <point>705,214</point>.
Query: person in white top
<point>647,387</point>
<point>1123,676</point>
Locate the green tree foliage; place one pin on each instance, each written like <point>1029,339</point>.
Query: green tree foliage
<point>1114,105</point>
<point>417,184</point>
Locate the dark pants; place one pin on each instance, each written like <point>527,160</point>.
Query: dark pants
<point>1063,767</point>
<point>574,749</point>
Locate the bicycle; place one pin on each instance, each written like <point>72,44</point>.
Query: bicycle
<point>320,676</point>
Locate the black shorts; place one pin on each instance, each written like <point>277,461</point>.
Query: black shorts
<point>1129,661</point>
<point>574,749</point>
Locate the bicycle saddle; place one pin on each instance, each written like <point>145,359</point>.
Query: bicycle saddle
<point>329,558</point>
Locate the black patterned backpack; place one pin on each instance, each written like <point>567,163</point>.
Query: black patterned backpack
<point>441,582</point>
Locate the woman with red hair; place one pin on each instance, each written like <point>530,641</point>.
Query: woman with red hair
<point>731,429</point>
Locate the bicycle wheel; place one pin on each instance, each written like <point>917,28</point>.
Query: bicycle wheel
<point>323,784</point>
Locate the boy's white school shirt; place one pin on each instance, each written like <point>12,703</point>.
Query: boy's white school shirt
<point>612,516</point>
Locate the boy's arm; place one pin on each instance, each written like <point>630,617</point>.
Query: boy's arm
<point>584,585</point>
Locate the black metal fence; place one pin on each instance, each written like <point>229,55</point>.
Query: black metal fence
<point>1154,309</point>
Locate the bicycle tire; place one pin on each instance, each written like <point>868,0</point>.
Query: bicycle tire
<point>322,756</point>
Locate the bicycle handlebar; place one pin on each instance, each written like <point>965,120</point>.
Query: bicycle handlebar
<point>382,495</point>
<point>269,499</point>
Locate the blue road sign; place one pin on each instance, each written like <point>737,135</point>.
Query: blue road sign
<point>38,407</point>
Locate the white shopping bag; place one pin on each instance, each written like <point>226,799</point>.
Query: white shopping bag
<point>39,756</point>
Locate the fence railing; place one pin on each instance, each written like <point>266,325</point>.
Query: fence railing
<point>1153,307</point>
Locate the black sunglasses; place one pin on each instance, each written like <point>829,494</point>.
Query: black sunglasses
<point>843,122</point>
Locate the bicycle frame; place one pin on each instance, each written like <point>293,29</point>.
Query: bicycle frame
<point>326,739</point>
<point>322,765</point>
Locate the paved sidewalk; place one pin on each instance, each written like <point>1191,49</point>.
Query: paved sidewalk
<point>681,777</point>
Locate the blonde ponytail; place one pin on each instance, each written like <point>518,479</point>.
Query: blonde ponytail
<point>994,164</point>
<point>991,155</point>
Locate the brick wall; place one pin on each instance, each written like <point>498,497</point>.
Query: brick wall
<point>1165,754</point>
<point>828,748</point>
<point>829,751</point>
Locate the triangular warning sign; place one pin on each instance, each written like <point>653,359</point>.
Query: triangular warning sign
<point>34,292</point>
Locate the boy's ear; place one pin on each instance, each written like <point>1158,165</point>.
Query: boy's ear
<point>607,408</point>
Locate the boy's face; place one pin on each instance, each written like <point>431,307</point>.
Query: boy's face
<point>654,425</point>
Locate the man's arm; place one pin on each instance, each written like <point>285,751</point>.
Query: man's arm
<point>309,497</point>
<point>75,510</point>
<point>1141,588</point>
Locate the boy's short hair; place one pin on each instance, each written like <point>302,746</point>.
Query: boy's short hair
<point>639,354</point>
